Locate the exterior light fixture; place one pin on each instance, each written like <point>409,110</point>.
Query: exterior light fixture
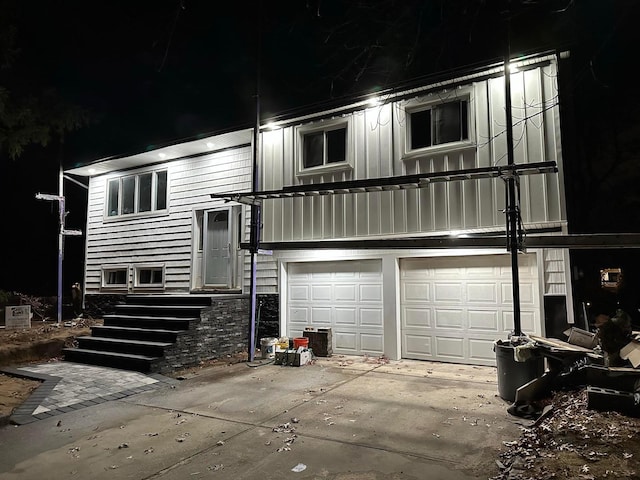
<point>210,144</point>
<point>162,155</point>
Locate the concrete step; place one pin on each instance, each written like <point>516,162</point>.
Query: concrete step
<point>119,345</point>
<point>149,322</point>
<point>135,333</point>
<point>124,361</point>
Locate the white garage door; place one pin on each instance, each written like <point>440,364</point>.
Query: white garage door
<point>344,295</point>
<point>454,308</point>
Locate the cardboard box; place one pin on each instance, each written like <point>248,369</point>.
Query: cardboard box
<point>582,338</point>
<point>631,352</point>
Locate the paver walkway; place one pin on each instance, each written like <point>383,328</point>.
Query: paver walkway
<point>70,386</point>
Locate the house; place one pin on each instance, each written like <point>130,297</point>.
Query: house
<point>172,220</point>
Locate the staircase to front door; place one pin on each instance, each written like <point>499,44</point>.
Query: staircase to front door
<point>140,331</point>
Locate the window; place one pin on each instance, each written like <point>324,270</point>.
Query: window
<point>150,276</point>
<point>115,277</point>
<point>145,192</point>
<point>438,124</point>
<point>324,147</point>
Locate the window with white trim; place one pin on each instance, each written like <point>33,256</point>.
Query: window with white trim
<point>438,124</point>
<point>323,147</point>
<point>149,276</point>
<point>140,193</point>
<point>116,277</point>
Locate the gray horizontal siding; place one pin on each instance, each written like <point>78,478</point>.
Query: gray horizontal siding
<point>164,238</point>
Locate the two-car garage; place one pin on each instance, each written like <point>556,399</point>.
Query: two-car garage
<point>449,308</point>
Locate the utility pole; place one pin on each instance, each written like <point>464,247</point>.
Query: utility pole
<point>62,232</point>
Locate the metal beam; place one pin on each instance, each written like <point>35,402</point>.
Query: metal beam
<point>575,241</point>
<point>401,182</point>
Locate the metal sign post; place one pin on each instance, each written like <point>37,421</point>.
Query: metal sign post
<point>62,232</point>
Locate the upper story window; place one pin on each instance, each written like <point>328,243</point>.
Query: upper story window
<point>144,192</point>
<point>323,147</point>
<point>439,124</point>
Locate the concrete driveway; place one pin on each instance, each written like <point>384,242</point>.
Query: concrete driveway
<point>346,418</point>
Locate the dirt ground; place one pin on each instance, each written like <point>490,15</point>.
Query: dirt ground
<point>44,341</point>
<point>568,442</point>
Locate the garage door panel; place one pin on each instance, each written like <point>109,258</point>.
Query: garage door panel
<point>527,293</point>
<point>481,351</point>
<point>372,343</point>
<point>416,317</point>
<point>321,293</point>
<point>483,320</point>
<point>371,293</point>
<point>345,316</point>
<point>300,315</point>
<point>449,347</point>
<point>418,346</point>
<point>482,293</point>
<point>371,317</point>
<point>346,341</point>
<point>449,318</point>
<point>418,292</point>
<point>299,292</point>
<point>447,292</point>
<point>343,295</point>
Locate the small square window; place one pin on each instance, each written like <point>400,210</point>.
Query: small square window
<point>150,276</point>
<point>324,147</point>
<point>115,277</point>
<point>439,124</point>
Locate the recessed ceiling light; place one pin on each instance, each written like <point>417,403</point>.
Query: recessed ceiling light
<point>210,144</point>
<point>92,171</point>
<point>162,155</point>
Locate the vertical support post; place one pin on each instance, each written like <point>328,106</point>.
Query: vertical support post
<point>512,207</point>
<point>62,213</point>
<point>255,213</point>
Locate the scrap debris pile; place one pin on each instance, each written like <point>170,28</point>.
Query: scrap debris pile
<point>573,442</point>
<point>585,408</point>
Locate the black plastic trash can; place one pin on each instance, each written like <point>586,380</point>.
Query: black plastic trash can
<point>512,374</point>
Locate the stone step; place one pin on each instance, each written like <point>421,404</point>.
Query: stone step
<point>171,300</point>
<point>124,361</point>
<point>159,310</point>
<point>118,345</point>
<point>135,333</point>
<point>149,322</point>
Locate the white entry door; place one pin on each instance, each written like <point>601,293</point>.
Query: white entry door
<point>217,248</point>
<point>343,295</point>
<point>454,308</point>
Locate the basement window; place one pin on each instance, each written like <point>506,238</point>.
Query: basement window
<point>149,276</point>
<point>115,277</point>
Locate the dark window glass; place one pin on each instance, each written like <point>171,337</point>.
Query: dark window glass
<point>144,195</point>
<point>128,194</point>
<point>421,129</point>
<point>444,123</point>
<point>447,123</point>
<point>116,277</point>
<point>112,202</point>
<point>150,276</point>
<point>336,145</point>
<point>313,150</point>
<point>161,190</point>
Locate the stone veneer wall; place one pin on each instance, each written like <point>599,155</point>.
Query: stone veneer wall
<point>269,320</point>
<point>223,330</point>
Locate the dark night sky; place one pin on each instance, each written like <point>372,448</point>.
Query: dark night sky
<point>157,71</point>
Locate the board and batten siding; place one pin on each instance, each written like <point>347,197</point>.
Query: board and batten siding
<point>377,142</point>
<point>165,238</point>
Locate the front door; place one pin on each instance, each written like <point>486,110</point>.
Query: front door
<point>217,248</point>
